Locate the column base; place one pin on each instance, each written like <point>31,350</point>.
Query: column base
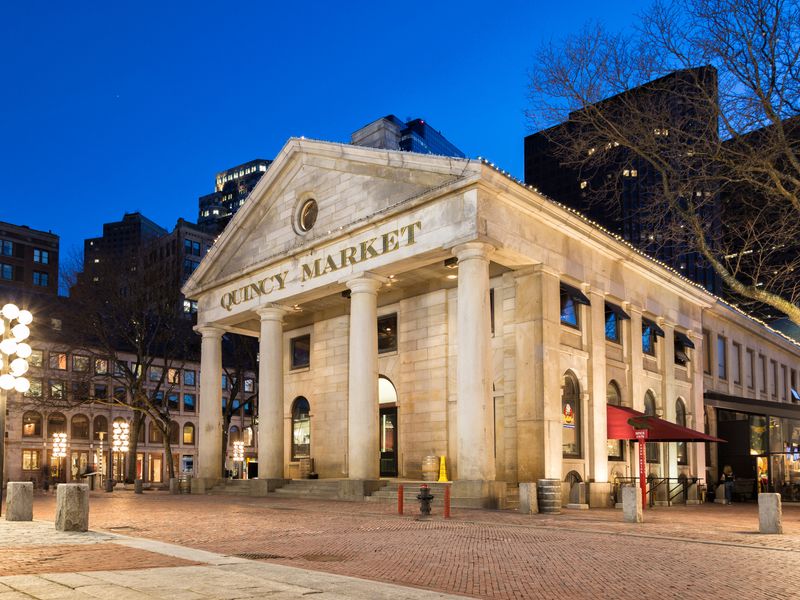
<point>479,493</point>
<point>600,495</point>
<point>202,485</point>
<point>262,487</point>
<point>356,489</point>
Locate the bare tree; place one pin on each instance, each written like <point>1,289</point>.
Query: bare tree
<point>719,140</point>
<point>124,316</point>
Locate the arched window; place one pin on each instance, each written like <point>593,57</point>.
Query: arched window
<point>301,428</point>
<point>680,419</point>
<point>234,435</point>
<point>80,427</point>
<point>616,448</point>
<point>32,424</point>
<point>100,425</point>
<point>571,417</point>
<point>155,436</point>
<point>653,449</point>
<point>188,434</point>
<point>56,423</point>
<point>387,394</point>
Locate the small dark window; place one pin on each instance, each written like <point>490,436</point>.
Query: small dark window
<point>188,402</point>
<point>172,401</point>
<point>300,348</point>
<point>649,333</point>
<point>491,309</point>
<point>652,449</point>
<point>387,333</point>
<point>682,344</point>
<point>571,297</point>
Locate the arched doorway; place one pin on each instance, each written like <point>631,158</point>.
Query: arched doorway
<point>387,399</point>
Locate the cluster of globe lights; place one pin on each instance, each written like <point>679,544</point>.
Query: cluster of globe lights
<point>13,349</point>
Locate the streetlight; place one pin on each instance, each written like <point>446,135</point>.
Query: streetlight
<point>238,454</point>
<point>59,451</point>
<point>119,439</point>
<point>13,365</point>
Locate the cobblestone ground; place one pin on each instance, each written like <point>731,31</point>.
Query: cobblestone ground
<point>680,552</point>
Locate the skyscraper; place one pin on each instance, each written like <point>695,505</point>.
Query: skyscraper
<point>615,187</point>
<point>231,188</point>
<point>391,133</point>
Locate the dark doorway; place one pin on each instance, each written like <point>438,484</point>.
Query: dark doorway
<point>388,441</point>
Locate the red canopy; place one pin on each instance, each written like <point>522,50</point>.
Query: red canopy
<point>622,421</point>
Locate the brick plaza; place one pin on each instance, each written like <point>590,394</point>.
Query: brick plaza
<point>680,552</point>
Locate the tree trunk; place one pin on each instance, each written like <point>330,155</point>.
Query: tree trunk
<point>133,445</point>
<point>168,457</point>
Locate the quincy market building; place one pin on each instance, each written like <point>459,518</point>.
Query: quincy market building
<point>411,305</point>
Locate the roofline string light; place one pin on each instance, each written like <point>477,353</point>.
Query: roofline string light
<point>616,237</point>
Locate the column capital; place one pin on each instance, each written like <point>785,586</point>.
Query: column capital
<point>365,283</point>
<point>470,250</point>
<point>209,331</point>
<point>271,312</point>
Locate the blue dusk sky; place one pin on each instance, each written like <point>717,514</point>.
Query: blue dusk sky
<point>117,107</point>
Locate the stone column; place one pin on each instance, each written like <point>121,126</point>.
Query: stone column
<point>598,381</point>
<point>696,407</point>
<point>362,410</point>
<point>270,393</point>
<point>209,440</point>
<point>474,367</point>
<point>669,396</point>
<point>539,380</point>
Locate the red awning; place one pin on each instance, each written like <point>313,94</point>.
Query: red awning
<point>622,421</point>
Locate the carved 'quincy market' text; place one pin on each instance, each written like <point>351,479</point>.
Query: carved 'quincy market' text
<point>384,243</point>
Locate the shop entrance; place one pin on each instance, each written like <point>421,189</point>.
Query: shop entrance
<point>388,433</point>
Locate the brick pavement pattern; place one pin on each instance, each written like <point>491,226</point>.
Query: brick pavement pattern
<point>680,552</point>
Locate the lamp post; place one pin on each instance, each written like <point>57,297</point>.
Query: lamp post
<point>120,436</point>
<point>238,456</point>
<point>59,451</point>
<point>13,365</point>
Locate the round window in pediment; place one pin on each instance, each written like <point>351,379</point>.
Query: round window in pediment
<point>307,215</point>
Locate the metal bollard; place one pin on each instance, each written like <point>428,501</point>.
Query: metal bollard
<point>400,499</point>
<point>425,498</point>
<point>447,501</point>
<point>109,484</point>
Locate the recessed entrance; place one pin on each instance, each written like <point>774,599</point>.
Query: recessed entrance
<point>387,398</point>
<point>388,432</point>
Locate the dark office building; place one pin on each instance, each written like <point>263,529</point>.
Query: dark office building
<point>164,259</point>
<point>416,135</point>
<point>231,189</point>
<point>615,189</point>
<point>28,260</point>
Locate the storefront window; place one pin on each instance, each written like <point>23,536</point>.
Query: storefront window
<point>758,434</point>
<point>301,429</point>
<point>652,449</point>
<point>571,417</point>
<point>680,419</point>
<point>616,448</point>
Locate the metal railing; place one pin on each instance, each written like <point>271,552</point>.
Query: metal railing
<point>673,490</point>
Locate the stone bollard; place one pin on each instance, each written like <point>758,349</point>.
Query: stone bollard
<point>632,504</point>
<point>72,507</point>
<point>528,503</point>
<point>770,519</point>
<point>137,486</point>
<point>109,484</point>
<point>174,486</point>
<point>19,503</point>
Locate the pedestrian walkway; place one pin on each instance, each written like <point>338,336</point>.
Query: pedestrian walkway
<point>52,565</point>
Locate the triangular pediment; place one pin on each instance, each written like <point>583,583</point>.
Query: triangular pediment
<point>351,185</point>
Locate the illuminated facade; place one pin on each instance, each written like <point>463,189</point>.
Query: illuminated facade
<point>410,305</point>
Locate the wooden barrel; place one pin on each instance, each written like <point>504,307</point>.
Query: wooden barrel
<point>306,467</point>
<point>548,493</point>
<point>430,468</point>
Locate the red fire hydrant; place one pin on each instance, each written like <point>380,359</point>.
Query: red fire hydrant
<point>425,498</point>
